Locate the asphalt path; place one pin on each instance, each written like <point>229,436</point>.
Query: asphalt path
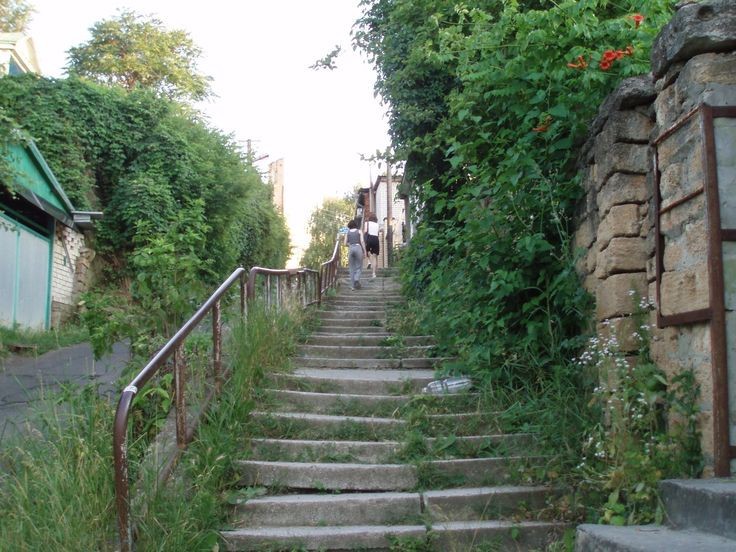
<point>25,381</point>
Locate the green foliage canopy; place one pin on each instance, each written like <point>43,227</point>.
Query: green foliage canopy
<point>324,222</point>
<point>489,102</point>
<point>143,160</point>
<point>131,50</point>
<point>14,15</point>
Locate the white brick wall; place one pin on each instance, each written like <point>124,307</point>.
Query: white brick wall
<point>68,245</point>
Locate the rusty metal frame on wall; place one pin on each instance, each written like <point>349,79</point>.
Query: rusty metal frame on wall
<point>715,313</point>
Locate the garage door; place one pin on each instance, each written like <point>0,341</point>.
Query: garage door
<point>25,260</point>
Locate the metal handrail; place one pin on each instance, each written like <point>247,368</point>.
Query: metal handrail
<point>326,277</point>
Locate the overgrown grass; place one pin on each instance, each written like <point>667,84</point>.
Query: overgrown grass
<point>40,341</point>
<point>56,483</point>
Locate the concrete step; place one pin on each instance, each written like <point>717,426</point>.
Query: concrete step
<point>341,403</point>
<point>446,537</point>
<point>475,503</point>
<point>369,303</point>
<point>388,508</point>
<point>368,340</point>
<point>359,313</point>
<point>338,476</point>
<point>372,322</point>
<point>363,452</point>
<point>347,331</point>
<point>326,403</point>
<point>517,536</point>
<point>360,537</point>
<point>648,538</point>
<point>327,476</point>
<point>374,451</point>
<point>356,381</point>
<point>369,363</point>
<point>341,509</point>
<point>362,306</point>
<point>363,351</point>
<point>325,423</point>
<point>707,505</point>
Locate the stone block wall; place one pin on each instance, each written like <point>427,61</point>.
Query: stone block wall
<point>694,63</point>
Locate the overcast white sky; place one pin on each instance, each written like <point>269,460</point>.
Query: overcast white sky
<point>259,53</point>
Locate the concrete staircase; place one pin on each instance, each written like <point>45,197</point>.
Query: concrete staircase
<point>701,516</point>
<point>349,457</point>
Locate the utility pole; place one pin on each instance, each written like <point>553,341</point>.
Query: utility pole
<point>389,214</point>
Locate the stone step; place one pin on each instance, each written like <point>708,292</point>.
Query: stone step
<point>356,381</point>
<point>372,451</point>
<point>364,452</point>
<point>360,537</point>
<point>377,303</point>
<point>368,340</point>
<point>326,426</point>
<point>327,476</point>
<point>517,536</point>
<point>339,476</point>
<point>347,331</point>
<point>446,537</point>
<point>389,508</point>
<point>369,363</point>
<point>648,538</point>
<point>330,509</point>
<point>362,306</point>
<point>474,503</point>
<point>363,351</point>
<point>707,505</point>
<point>372,322</point>
<point>324,403</point>
<point>368,297</point>
<point>353,314</point>
<point>332,403</point>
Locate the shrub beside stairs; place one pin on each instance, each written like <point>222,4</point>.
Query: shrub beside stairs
<point>345,460</point>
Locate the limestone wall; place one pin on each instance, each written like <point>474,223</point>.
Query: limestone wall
<point>694,63</point>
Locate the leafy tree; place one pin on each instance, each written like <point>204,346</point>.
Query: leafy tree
<point>324,222</point>
<point>489,103</point>
<point>14,15</point>
<point>132,51</point>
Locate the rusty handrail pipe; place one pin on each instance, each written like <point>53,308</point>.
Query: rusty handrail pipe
<point>326,277</point>
<point>120,425</point>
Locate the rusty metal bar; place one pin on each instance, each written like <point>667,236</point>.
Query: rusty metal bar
<point>675,126</point>
<point>120,424</point>
<point>173,349</point>
<point>180,367</point>
<point>721,438</point>
<point>689,317</point>
<point>728,234</point>
<point>678,202</point>
<point>217,345</point>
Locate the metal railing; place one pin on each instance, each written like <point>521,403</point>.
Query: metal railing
<point>274,286</point>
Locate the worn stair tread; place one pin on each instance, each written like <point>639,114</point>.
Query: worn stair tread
<point>330,418</point>
<point>364,374</point>
<point>649,538</point>
<point>330,509</point>
<point>363,351</point>
<point>373,477</point>
<point>354,537</point>
<point>368,363</point>
<point>346,537</point>
<point>328,476</point>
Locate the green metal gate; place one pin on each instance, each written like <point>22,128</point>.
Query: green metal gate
<point>25,275</point>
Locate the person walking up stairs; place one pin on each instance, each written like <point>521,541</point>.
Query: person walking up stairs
<point>352,456</point>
